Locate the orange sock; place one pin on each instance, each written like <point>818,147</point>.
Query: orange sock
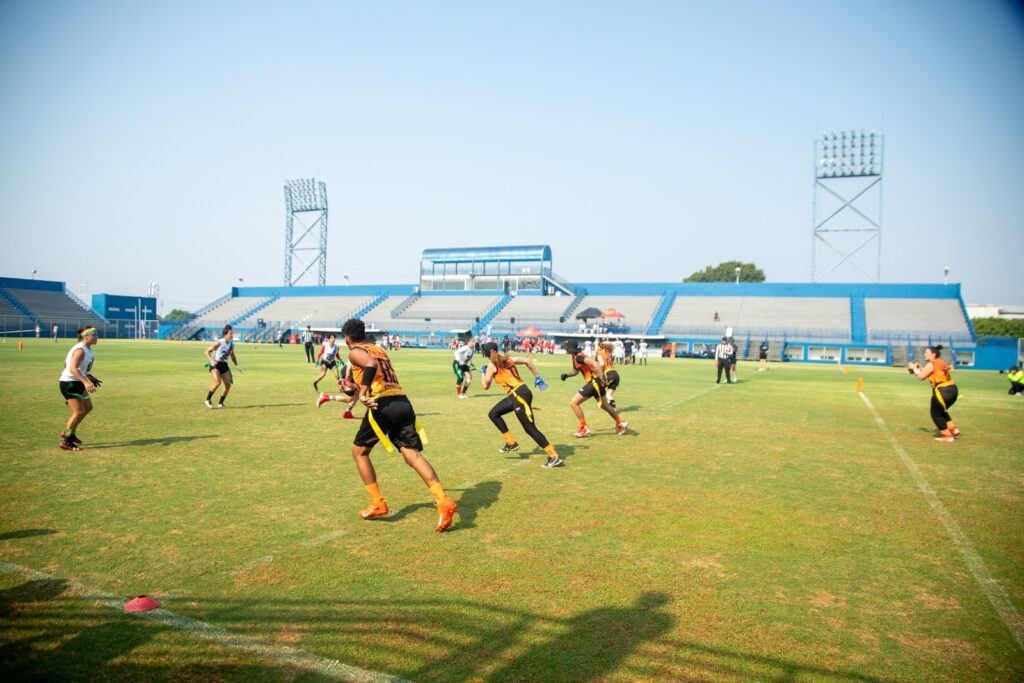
<point>374,491</point>
<point>438,492</point>
<point>583,423</point>
<point>550,450</point>
<point>618,419</point>
<point>509,439</point>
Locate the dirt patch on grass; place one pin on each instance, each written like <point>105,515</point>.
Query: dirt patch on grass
<point>937,602</point>
<point>826,600</point>
<point>940,649</point>
<point>702,564</point>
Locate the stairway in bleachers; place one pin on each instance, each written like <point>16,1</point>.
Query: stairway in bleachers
<point>664,307</point>
<point>255,309</point>
<point>13,301</point>
<point>487,317</point>
<point>858,320</point>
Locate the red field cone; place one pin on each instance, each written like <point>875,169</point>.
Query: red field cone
<point>860,385</point>
<point>142,603</point>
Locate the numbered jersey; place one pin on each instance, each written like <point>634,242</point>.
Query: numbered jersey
<point>223,350</point>
<point>385,382</point>
<point>579,361</point>
<point>330,353</point>
<point>606,358</point>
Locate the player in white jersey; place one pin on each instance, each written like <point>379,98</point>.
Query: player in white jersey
<point>349,393</point>
<point>76,383</point>
<point>327,359</point>
<point>460,366</point>
<point>217,355</point>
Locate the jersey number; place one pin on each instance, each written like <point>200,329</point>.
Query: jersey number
<point>386,371</point>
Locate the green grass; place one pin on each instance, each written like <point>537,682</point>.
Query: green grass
<point>760,531</point>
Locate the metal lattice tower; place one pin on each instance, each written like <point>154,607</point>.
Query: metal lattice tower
<point>847,210</point>
<point>304,196</point>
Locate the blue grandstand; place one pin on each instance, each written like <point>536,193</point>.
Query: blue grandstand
<point>498,291</point>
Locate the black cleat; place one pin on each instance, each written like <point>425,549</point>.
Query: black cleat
<point>73,439</point>
<point>553,461</point>
<point>68,446</point>
<point>509,448</point>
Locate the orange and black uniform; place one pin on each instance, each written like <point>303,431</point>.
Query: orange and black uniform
<point>394,414</point>
<point>519,401</point>
<point>593,384</point>
<point>611,375</point>
<point>944,393</point>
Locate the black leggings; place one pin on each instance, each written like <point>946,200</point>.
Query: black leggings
<point>512,404</point>
<point>940,413</point>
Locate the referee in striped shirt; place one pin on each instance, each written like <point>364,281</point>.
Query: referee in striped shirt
<point>307,341</point>
<point>723,355</point>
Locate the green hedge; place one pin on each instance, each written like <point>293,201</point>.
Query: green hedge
<point>998,327</point>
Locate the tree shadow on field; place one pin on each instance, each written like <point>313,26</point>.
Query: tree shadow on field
<point>628,409</point>
<point>26,533</point>
<point>158,441</point>
<point>54,632</point>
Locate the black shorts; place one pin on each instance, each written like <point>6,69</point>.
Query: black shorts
<point>329,364</point>
<point>612,378</point>
<point>459,369</point>
<point>763,355</point>
<point>221,367</point>
<point>396,419</point>
<point>593,389</point>
<point>732,360</point>
<point>73,389</point>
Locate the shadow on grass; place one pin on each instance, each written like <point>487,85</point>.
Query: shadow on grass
<point>53,633</point>
<point>26,533</point>
<point>158,441</point>
<point>264,405</point>
<point>474,499</point>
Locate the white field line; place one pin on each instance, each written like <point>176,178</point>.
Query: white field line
<point>680,401</point>
<point>989,586</point>
<point>330,668</point>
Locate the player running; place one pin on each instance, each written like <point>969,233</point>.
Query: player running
<point>604,357</point>
<point>349,392</point>
<point>327,359</point>
<point>76,384</point>
<point>390,419</point>
<point>944,391</point>
<point>593,387</point>
<point>222,349</point>
<point>502,369</point>
<point>460,366</point>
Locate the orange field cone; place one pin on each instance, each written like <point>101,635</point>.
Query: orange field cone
<point>860,385</point>
<point>142,603</point>
<point>21,345</point>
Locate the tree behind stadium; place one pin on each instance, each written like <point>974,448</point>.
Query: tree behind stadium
<point>726,272</point>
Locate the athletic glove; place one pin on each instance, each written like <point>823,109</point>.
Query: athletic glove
<point>483,369</point>
<point>238,367</point>
<point>564,376</point>
<point>95,380</point>
<point>539,382</point>
<point>207,366</point>
<point>316,364</point>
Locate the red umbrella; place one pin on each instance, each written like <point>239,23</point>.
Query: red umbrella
<point>611,313</point>
<point>530,331</point>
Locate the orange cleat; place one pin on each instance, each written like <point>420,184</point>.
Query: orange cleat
<point>378,509</point>
<point>584,431</point>
<point>445,511</point>
<point>621,427</point>
<point>323,398</point>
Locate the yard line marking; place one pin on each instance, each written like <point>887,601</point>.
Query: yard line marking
<point>993,591</point>
<point>684,399</point>
<point>266,559</point>
<point>330,668</point>
<point>326,538</point>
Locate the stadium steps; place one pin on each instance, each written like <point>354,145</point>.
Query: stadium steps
<point>377,301</point>
<point>487,317</point>
<point>192,328</point>
<point>255,309</point>
<point>14,301</point>
<point>858,320</point>
<point>561,284</point>
<point>406,303</point>
<point>775,349</point>
<point>664,307</point>
<point>581,294</point>
<point>899,355</point>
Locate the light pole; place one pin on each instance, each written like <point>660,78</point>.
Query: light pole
<point>737,274</point>
<point>34,271</point>
<point>945,275</point>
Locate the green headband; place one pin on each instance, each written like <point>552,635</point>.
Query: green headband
<point>87,331</point>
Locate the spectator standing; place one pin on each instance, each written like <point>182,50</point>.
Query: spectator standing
<point>642,354</point>
<point>54,334</point>
<point>630,348</point>
<point>307,341</point>
<point>762,356</point>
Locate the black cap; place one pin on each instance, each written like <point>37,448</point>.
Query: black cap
<point>572,346</point>
<point>488,347</point>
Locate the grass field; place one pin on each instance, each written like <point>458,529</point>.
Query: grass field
<point>768,530</point>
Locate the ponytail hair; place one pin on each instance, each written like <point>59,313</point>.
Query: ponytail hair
<point>937,350</point>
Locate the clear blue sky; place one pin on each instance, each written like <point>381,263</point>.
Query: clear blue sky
<point>641,140</point>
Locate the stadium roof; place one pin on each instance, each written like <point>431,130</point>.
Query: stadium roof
<point>539,252</point>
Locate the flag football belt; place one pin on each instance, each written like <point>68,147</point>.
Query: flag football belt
<point>388,446</point>
<point>526,405</point>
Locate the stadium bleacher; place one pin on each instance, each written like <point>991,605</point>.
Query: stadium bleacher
<point>299,311</point>
<point>915,319</point>
<point>813,317</point>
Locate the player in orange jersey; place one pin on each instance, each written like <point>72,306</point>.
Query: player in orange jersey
<point>593,387</point>
<point>390,419</point>
<point>944,391</point>
<point>502,370</point>
<point>605,361</point>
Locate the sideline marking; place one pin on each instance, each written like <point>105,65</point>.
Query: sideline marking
<point>684,399</point>
<point>331,668</point>
<point>1009,615</point>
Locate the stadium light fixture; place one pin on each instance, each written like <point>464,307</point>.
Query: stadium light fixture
<point>737,274</point>
<point>945,275</point>
<point>34,271</point>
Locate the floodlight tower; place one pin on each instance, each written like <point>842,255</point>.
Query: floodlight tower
<point>847,209</point>
<point>306,195</point>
